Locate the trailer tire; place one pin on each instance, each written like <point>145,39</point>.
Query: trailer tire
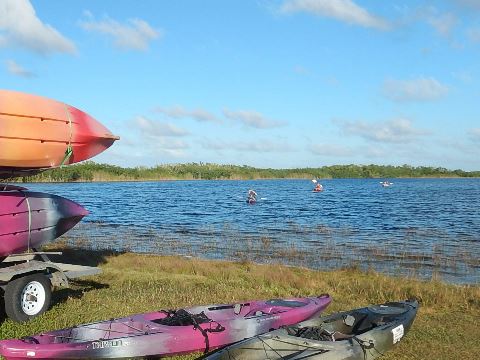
<point>27,297</point>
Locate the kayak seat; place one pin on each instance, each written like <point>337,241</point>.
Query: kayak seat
<point>264,311</point>
<point>182,317</point>
<point>369,322</point>
<point>30,340</point>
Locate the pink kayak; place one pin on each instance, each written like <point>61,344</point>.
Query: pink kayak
<point>166,333</point>
<point>28,219</point>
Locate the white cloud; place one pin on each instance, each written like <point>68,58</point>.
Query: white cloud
<point>475,134</point>
<point>135,35</point>
<point>393,131</point>
<point>16,69</point>
<point>444,23</point>
<point>474,35</point>
<point>259,146</point>
<point>20,27</point>
<point>331,150</point>
<point>472,4</point>
<point>170,144</point>
<point>158,129</point>
<point>449,146</point>
<point>252,119</point>
<point>463,76</point>
<point>343,10</point>
<point>159,138</point>
<point>179,112</point>
<point>421,89</point>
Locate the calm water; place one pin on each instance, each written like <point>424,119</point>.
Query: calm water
<point>417,226</point>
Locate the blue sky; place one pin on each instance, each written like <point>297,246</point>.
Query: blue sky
<point>287,83</point>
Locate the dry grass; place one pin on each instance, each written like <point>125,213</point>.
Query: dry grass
<point>446,326</point>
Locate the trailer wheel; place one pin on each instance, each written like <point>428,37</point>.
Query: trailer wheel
<point>27,297</point>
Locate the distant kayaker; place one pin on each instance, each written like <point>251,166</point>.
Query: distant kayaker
<point>252,197</point>
<point>318,187</point>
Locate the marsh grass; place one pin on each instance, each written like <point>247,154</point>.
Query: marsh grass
<point>318,247</point>
<point>446,326</point>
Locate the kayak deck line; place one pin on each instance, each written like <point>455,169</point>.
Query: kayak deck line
<point>113,137</point>
<point>41,118</point>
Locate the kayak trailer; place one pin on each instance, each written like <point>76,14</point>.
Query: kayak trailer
<point>27,280</point>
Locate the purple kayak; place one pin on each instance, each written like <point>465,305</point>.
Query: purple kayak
<point>28,219</point>
<point>166,333</point>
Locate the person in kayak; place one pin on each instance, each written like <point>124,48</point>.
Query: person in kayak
<point>318,187</point>
<point>252,197</point>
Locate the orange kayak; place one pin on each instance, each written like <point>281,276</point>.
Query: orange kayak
<point>37,133</point>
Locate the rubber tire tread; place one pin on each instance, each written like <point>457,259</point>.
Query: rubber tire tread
<point>13,292</point>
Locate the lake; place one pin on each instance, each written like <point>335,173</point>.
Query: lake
<point>419,227</point>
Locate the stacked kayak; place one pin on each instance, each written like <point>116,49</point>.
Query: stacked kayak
<point>28,219</point>
<point>37,133</point>
<point>360,334</point>
<point>166,332</point>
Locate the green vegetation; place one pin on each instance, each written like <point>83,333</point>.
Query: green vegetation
<point>91,171</point>
<point>446,326</point>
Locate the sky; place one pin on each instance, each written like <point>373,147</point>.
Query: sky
<point>265,83</point>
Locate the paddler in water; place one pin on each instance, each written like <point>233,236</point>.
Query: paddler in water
<point>252,197</point>
<point>318,187</point>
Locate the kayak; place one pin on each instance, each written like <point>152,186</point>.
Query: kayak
<point>28,219</point>
<point>165,332</point>
<point>386,184</point>
<point>36,133</point>
<point>360,334</point>
<point>317,190</point>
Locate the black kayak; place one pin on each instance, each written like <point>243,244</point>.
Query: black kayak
<point>360,334</point>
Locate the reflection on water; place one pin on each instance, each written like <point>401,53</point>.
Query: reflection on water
<point>417,226</point>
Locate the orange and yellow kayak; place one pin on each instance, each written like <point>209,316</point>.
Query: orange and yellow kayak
<point>38,133</point>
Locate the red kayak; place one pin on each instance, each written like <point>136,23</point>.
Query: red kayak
<point>166,332</point>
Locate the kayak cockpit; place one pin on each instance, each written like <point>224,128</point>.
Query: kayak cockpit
<point>348,324</point>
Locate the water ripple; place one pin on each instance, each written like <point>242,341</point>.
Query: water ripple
<point>424,221</point>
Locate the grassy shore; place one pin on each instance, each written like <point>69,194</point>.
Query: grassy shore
<point>91,171</point>
<point>446,326</point>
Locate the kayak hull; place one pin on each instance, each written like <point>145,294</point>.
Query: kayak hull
<point>157,334</point>
<point>35,133</point>
<point>50,216</point>
<point>360,334</point>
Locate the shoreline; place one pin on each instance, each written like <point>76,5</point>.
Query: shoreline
<point>133,284</point>
<point>255,179</point>
<point>91,171</point>
<point>265,248</point>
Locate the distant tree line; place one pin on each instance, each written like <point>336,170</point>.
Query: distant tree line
<point>91,171</point>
